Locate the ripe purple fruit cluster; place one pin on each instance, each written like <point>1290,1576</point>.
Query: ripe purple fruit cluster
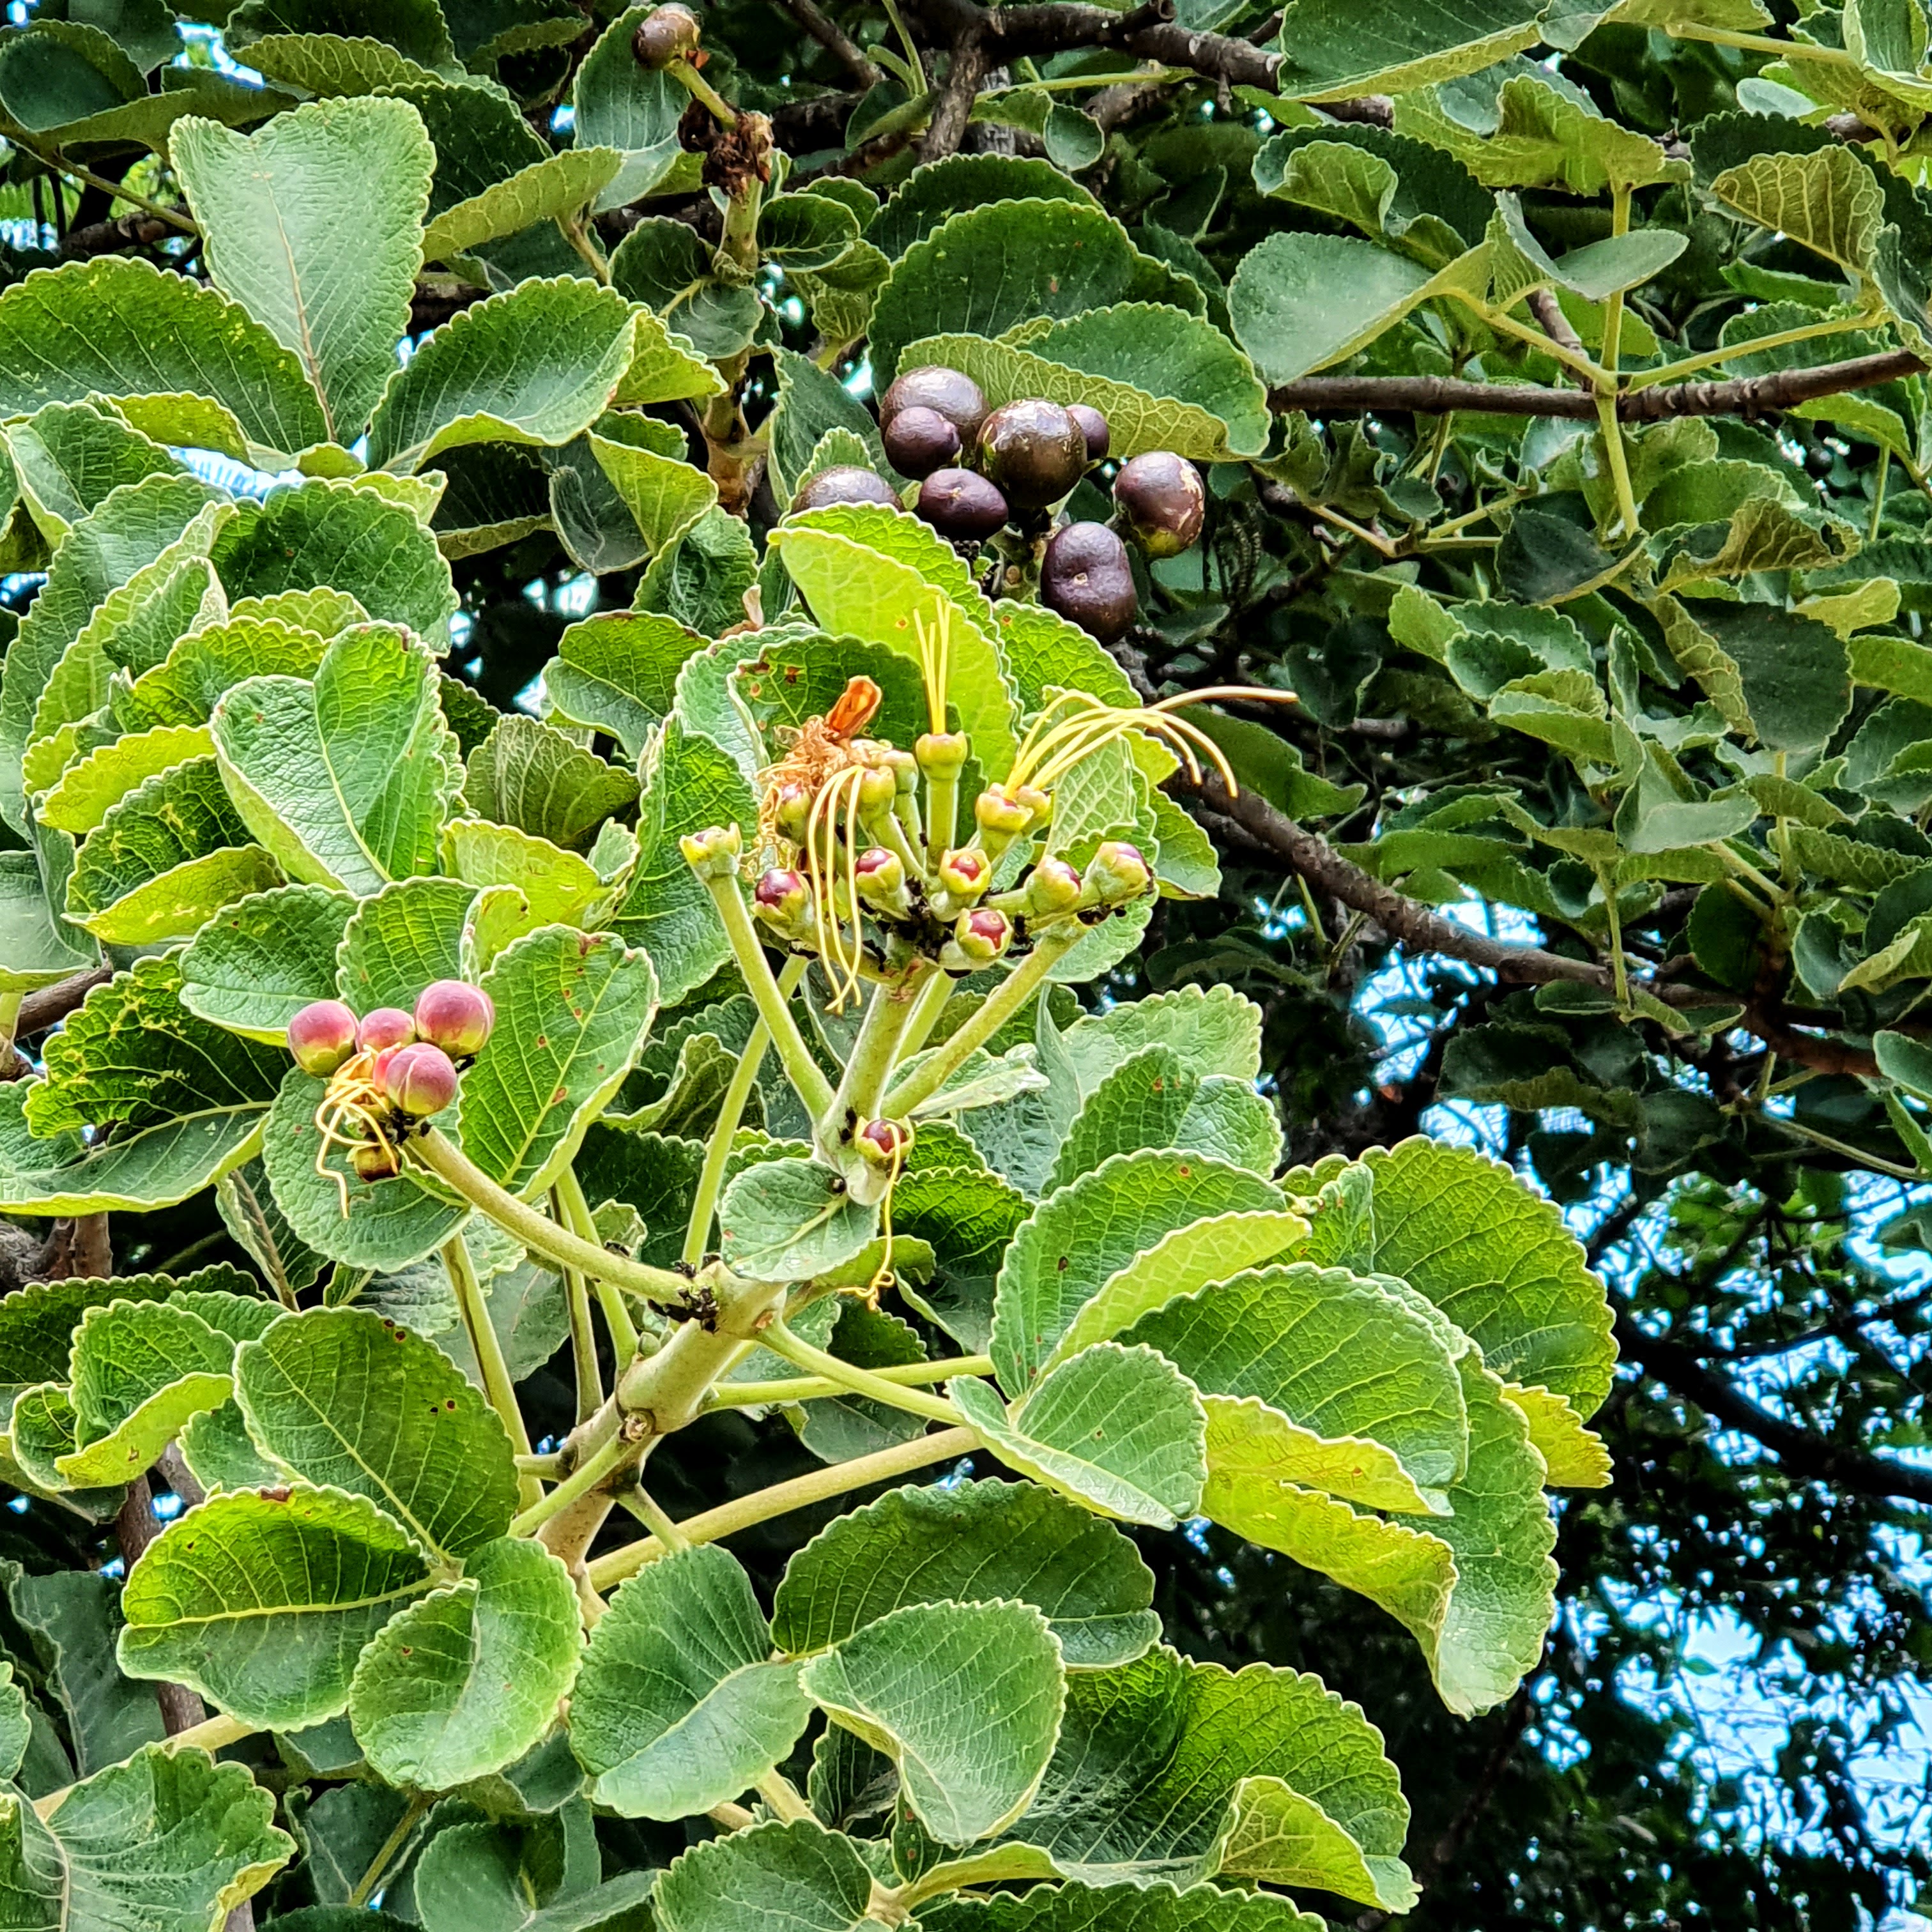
<point>980,469</point>
<point>411,1059</point>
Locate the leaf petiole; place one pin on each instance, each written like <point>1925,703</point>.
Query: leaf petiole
<point>855,1381</point>
<point>497,1386</point>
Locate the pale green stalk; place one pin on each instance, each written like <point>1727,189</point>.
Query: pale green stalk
<point>854,1381</point>
<point>584,1226</point>
<point>813,1388</point>
<point>497,1386</point>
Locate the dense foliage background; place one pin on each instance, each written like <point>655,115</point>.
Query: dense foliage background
<point>1623,872</point>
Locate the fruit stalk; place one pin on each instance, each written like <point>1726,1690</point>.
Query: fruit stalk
<point>497,1385</point>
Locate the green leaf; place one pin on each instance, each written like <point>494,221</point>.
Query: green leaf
<point>1120,1908</point>
<point>1163,379</point>
<point>941,188</point>
<point>1341,1356</point>
<point>331,65</point>
<point>528,775</point>
<point>476,1878</point>
<point>879,573</point>
<point>980,272</point>
<point>618,670</point>
<point>1152,1757</point>
<point>979,1541</point>
<point>556,887</point>
<point>1299,302</point>
<point>798,1875</point>
<point>91,787</point>
<point>623,104</point>
<point>1116,1429</point>
<point>314,226</point>
<point>537,365</point>
<point>15,1729</point>
<point>789,1220</point>
<point>389,1223</point>
<point>119,328</point>
<point>572,1011</point>
<point>1829,202</point>
<point>667,268</point>
<point>132,528</point>
<point>169,1841</point>
<point>333,534</point>
<point>347,780</point>
<point>678,1705</point>
<point>348,1401</point>
<point>139,1370</point>
<point>69,458</point>
<point>810,402</point>
<point>263,1605</point>
<point>396,944</point>
<point>1328,57</point>
<point>185,687</point>
<point>665,494</point>
<point>965,1699</point>
<point>689,784</point>
<point>221,1455</point>
<point>1784,678</point>
<point>466,1681</point>
<point>36,948</point>
<point>1498,1261</point>
<point>1081,1236</point>
<point>561,184</point>
<point>254,966</point>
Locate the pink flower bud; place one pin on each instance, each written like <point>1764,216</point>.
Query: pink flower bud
<point>386,1027</point>
<point>965,874</point>
<point>882,1142</point>
<point>455,1015</point>
<point>322,1037</point>
<point>420,1080</point>
<point>782,897</point>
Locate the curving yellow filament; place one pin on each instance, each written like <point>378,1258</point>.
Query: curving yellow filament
<point>351,1094</point>
<point>1054,746</point>
<point>882,1275</point>
<point>821,859</point>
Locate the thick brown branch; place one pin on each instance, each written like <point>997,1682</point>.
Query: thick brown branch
<point>41,1010</point>
<point>833,38</point>
<point>1748,396</point>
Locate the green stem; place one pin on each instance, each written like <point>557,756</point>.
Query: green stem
<point>119,190</point>
<point>855,1381</point>
<point>813,1388</point>
<point>583,1342</point>
<point>1878,495</point>
<point>873,1054</point>
<point>497,1386</point>
<point>1613,434</point>
<point>942,813</point>
<point>649,1512</point>
<point>911,47</point>
<point>808,1082</point>
<point>667,1389</point>
<point>372,1876</point>
<point>575,233</point>
<point>1594,374</point>
<point>781,1499</point>
<point>932,1000</point>
<point>1844,1148</point>
<point>701,89</point>
<point>1649,379</point>
<point>1761,43</point>
<point>1612,353</point>
<point>782,1796</point>
<point>538,1233</point>
<point>999,1006</point>
<point>594,1468</point>
<point>211,1735</point>
<point>718,1152</point>
<point>609,1298</point>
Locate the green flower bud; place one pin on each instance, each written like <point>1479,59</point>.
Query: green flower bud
<point>884,1143</point>
<point>1052,888</point>
<point>979,938</point>
<point>782,899</point>
<point>1116,873</point>
<point>713,853</point>
<point>965,874</point>
<point>941,754</point>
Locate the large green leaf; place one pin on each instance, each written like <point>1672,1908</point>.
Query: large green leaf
<point>963,1698</point>
<point>263,1603</point>
<point>623,104</point>
<point>618,670</point>
<point>36,948</point>
<point>1343,1356</point>
<point>139,1370</point>
<point>347,780</point>
<point>790,1220</point>
<point>1118,1430</point>
<point>572,1011</point>
<point>1120,1908</point>
<point>664,493</point>
<point>120,328</point>
<point>981,271</point>
<point>69,458</point>
<point>326,533</point>
<point>466,1681</point>
<point>538,364</point>
<point>1299,302</point>
<point>978,1542</point>
<point>690,784</point>
<point>678,1705</point>
<point>800,1877</point>
<point>132,528</point>
<point>169,1841</point>
<point>487,1878</point>
<point>1086,1233</point>
<point>314,226</point>
<point>1497,1261</point>
<point>1330,55</point>
<point>409,934</point>
<point>258,962</point>
<point>529,775</point>
<point>347,1400</point>
<point>559,185</point>
<point>1164,380</point>
<point>1152,1757</point>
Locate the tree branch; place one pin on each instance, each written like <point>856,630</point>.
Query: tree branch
<point>1749,396</point>
<point>52,1004</point>
<point>1802,1455</point>
<point>833,38</point>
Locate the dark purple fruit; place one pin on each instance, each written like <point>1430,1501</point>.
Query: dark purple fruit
<point>945,391</point>
<point>1034,450</point>
<point>843,483</point>
<point>1094,427</point>
<point>962,507</point>
<point>920,440</point>
<point>666,34</point>
<point>1161,501</point>
<point>1085,576</point>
